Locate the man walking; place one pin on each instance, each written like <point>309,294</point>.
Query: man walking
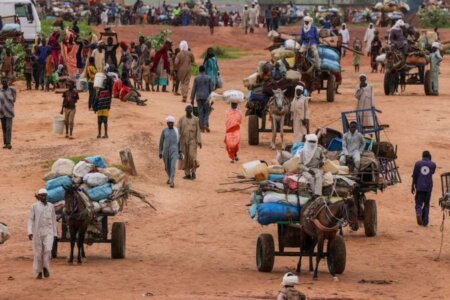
<point>422,185</point>
<point>42,231</point>
<point>7,100</point>
<point>366,101</point>
<point>300,114</point>
<point>70,98</point>
<point>169,149</point>
<point>189,130</point>
<point>183,63</point>
<point>201,90</point>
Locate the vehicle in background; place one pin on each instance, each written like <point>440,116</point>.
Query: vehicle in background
<point>25,14</point>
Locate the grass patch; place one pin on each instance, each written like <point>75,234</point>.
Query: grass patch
<point>76,159</point>
<point>47,28</point>
<point>194,69</point>
<point>223,52</point>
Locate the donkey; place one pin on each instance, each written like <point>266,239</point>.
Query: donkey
<point>278,109</point>
<point>321,221</point>
<point>78,216</point>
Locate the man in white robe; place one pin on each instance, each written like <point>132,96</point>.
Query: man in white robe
<point>368,38</point>
<point>42,231</point>
<point>300,114</point>
<point>345,38</point>
<point>365,96</point>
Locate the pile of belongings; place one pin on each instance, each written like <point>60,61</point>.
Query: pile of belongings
<point>282,190</point>
<point>229,96</point>
<point>391,6</point>
<point>4,233</point>
<point>105,188</point>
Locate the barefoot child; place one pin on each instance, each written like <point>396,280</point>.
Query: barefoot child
<point>102,105</point>
<point>70,98</point>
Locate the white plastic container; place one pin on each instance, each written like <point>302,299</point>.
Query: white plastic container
<point>82,85</point>
<point>250,168</point>
<point>99,79</point>
<point>58,125</point>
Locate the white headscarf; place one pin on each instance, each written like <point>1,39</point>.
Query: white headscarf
<point>398,24</point>
<point>298,87</point>
<point>290,279</point>
<point>170,119</point>
<point>306,28</point>
<point>435,45</point>
<point>309,148</point>
<point>42,192</point>
<point>184,46</point>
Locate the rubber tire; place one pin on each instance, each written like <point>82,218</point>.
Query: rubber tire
<point>331,88</point>
<point>55,248</point>
<point>370,218</point>
<point>253,130</point>
<point>265,253</point>
<point>118,240</point>
<point>337,255</point>
<point>427,83</point>
<point>389,87</point>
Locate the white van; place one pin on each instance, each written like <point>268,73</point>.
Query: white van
<point>26,12</point>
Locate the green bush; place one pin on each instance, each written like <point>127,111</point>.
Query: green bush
<point>226,52</point>
<point>47,28</point>
<point>431,18</point>
<point>157,40</point>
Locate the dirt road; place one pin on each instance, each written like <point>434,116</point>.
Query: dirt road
<point>201,244</point>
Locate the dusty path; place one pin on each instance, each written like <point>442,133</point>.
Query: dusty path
<point>201,244</point>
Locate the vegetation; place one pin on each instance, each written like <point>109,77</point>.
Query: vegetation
<point>47,28</point>
<point>157,40</point>
<point>222,52</point>
<point>18,52</point>
<point>431,18</point>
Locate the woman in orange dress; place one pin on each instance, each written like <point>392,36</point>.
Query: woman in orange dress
<point>233,121</point>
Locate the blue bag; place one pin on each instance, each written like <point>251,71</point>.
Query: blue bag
<point>100,192</point>
<point>296,147</point>
<point>269,213</point>
<point>330,65</point>
<point>328,53</point>
<point>56,194</point>
<point>258,97</point>
<point>63,181</point>
<point>276,177</point>
<point>335,145</point>
<point>96,161</point>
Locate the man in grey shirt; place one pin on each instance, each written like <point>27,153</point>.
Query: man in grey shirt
<point>352,146</point>
<point>7,100</point>
<point>201,90</point>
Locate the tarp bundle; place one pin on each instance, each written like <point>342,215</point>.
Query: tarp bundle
<point>101,186</point>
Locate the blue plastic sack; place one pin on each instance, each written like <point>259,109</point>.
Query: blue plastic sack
<point>56,194</point>
<point>328,53</point>
<point>269,213</point>
<point>100,192</point>
<point>96,161</point>
<point>330,65</point>
<point>63,181</point>
<point>296,147</point>
<point>258,97</point>
<point>276,177</point>
<point>335,145</point>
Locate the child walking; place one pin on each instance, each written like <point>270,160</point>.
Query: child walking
<point>70,98</point>
<point>357,46</point>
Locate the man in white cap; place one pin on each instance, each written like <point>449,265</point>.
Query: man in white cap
<point>435,61</point>
<point>253,12</point>
<point>366,101</point>
<point>42,231</point>
<point>183,62</point>
<point>169,149</point>
<point>288,291</point>
<point>246,18</point>
<point>309,39</point>
<point>311,160</point>
<point>300,114</point>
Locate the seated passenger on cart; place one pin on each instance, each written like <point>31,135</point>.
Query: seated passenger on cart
<point>397,37</point>
<point>311,160</point>
<point>352,146</point>
<point>309,39</point>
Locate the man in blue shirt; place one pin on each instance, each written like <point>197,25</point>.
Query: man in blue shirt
<point>422,185</point>
<point>309,38</point>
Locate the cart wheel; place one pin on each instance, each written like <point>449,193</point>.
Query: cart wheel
<point>331,88</point>
<point>55,248</point>
<point>265,253</point>
<point>427,84</point>
<point>118,240</point>
<point>336,255</point>
<point>253,130</point>
<point>390,83</point>
<point>370,217</point>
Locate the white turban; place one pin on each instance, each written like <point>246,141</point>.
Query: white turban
<point>184,46</point>
<point>170,119</point>
<point>399,23</point>
<point>435,45</point>
<point>290,279</point>
<point>308,19</point>
<point>309,149</point>
<point>42,192</point>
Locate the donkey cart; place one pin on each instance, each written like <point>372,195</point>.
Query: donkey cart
<point>97,233</point>
<point>289,237</point>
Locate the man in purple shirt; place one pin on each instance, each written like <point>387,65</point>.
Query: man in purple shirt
<point>422,185</point>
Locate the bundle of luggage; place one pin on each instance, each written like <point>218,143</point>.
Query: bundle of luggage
<point>104,188</point>
<point>282,189</point>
